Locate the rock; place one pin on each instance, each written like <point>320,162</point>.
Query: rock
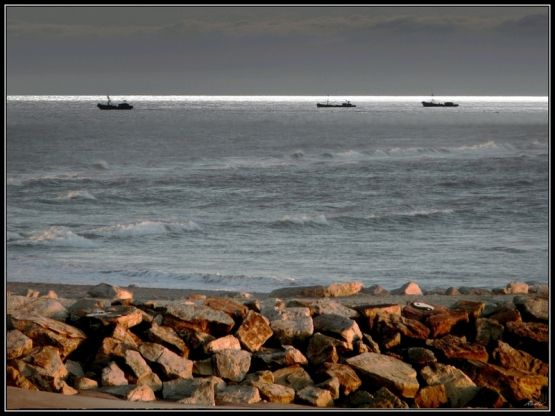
<point>229,342</point>
<point>479,291</point>
<point>336,325</point>
<point>348,379</point>
<point>172,364</point>
<point>488,331</point>
<point>359,399</point>
<point>111,348</point>
<point>74,368</point>
<point>333,290</point>
<point>504,314</point>
<point>17,344</point>
<point>442,323</point>
<point>513,384</point>
<point>516,287</point>
<point>539,289</point>
<point>68,390</point>
<point>85,383</point>
<point>119,315</point>
<point>375,290</point>
<point>391,341</point>
<point>118,391</point>
<point>128,338</point>
<point>196,340</point>
<point>203,367</point>
<point>472,308</point>
<point>198,391</point>
<point>420,357</point>
<point>431,396</point>
<point>332,385</point>
<point>276,393</point>
<point>509,357</point>
<point>371,311</point>
<point>46,331</point>
<point>16,379</point>
<point>409,288</point>
<point>533,309</point>
<point>322,348</point>
<point>254,331</point>
<point>104,290</point>
<point>289,331</point>
<point>32,293</point>
<point>51,295</point>
<point>45,307</point>
<point>452,291</point>
<point>372,345</point>
<point>113,376</point>
<point>258,378</point>
<point>142,393</point>
<point>460,389</point>
<point>85,306</point>
<point>410,311</point>
<point>236,310</point>
<point>488,398</point>
<point>328,306</point>
<point>198,318</point>
<point>238,394</point>
<point>167,337</point>
<point>136,362</point>
<point>385,399</point>
<point>389,325</point>
<point>294,376</point>
<point>151,380</point>
<point>452,347</point>
<point>44,368</point>
<point>231,364</point>
<point>532,337</point>
<point>388,371</point>
<point>315,396</point>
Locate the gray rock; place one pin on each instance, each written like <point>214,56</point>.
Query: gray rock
<point>231,364</point>
<point>18,344</point>
<point>388,371</point>
<point>238,394</point>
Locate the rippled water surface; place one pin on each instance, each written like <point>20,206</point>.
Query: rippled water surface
<point>258,193</point>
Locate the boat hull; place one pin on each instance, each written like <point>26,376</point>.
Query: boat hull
<point>115,107</point>
<point>447,104</point>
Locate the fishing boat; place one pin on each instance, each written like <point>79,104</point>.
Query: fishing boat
<point>341,105</point>
<point>110,106</point>
<point>433,103</point>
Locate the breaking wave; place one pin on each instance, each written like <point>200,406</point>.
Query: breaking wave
<point>57,236</point>
<point>82,194</point>
<point>144,228</point>
<point>303,219</point>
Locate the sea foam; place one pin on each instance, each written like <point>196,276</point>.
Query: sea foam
<point>144,228</point>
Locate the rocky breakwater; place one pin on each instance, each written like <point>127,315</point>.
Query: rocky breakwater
<point>311,346</point>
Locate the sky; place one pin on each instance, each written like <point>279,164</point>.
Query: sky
<point>283,50</point>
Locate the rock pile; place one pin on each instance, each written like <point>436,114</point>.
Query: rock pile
<point>322,352</point>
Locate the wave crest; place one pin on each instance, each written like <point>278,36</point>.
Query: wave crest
<point>58,236</point>
<point>144,228</point>
<point>303,219</point>
<point>81,194</point>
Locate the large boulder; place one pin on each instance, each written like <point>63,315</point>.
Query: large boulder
<point>172,364</point>
<point>509,357</point>
<point>232,364</point>
<point>276,393</point>
<point>431,396</point>
<point>488,331</point>
<point>237,394</point>
<point>44,368</point>
<point>167,337</point>
<point>17,344</point>
<point>294,377</point>
<point>348,379</point>
<point>315,396</point>
<point>442,323</point>
<point>452,347</point>
<point>532,337</point>
<point>533,308</point>
<point>113,376</point>
<point>46,331</point>
<point>460,388</point>
<point>391,372</point>
<point>229,342</point>
<point>234,309</point>
<point>198,318</point>
<point>332,290</point>
<point>338,326</point>
<point>254,331</point>
<point>46,307</point>
<point>409,288</point>
<point>106,291</point>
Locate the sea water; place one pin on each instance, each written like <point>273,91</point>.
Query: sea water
<point>256,193</point>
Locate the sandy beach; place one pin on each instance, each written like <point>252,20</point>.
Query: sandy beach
<point>23,399</point>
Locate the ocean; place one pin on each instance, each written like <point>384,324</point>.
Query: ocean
<point>257,193</point>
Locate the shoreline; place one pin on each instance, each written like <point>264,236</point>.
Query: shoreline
<point>17,398</point>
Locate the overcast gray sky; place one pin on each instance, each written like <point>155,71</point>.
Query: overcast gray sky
<point>285,50</point>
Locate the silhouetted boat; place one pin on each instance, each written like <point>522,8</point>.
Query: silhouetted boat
<point>433,103</point>
<point>342,105</point>
<point>110,106</point>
